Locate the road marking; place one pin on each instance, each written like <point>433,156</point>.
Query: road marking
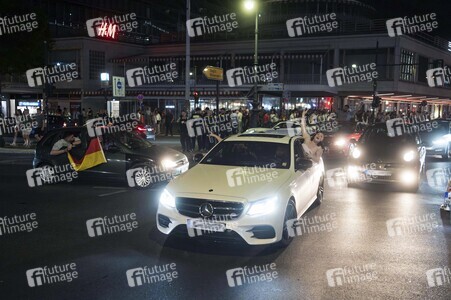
<point>109,194</point>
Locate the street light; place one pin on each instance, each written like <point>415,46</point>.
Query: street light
<point>105,80</point>
<point>251,5</point>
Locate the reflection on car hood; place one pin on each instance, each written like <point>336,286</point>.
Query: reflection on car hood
<point>386,153</point>
<point>228,182</point>
<point>159,152</point>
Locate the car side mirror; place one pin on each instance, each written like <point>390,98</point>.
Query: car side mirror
<point>198,157</point>
<point>276,127</point>
<point>113,148</point>
<point>303,163</point>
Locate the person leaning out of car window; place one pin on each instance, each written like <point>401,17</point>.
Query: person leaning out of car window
<point>312,144</point>
<point>65,144</point>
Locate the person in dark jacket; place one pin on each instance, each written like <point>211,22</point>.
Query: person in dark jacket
<point>185,140</point>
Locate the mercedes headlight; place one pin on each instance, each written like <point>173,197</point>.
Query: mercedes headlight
<point>408,156</point>
<point>340,142</point>
<point>167,199</point>
<point>356,153</point>
<point>265,206</point>
<point>168,164</point>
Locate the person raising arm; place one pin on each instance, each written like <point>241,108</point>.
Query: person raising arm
<point>311,145</point>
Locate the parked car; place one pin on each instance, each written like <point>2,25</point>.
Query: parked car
<point>438,141</point>
<point>124,151</point>
<point>339,142</point>
<point>146,131</point>
<point>385,159</point>
<point>233,193</point>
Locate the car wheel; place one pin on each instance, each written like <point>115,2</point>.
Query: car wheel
<point>290,214</point>
<point>320,191</point>
<point>142,178</point>
<point>46,174</point>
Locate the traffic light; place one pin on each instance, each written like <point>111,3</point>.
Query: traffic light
<point>196,96</point>
<point>376,102</point>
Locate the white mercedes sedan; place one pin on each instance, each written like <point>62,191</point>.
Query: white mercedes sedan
<point>246,188</point>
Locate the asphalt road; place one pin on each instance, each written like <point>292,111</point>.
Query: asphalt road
<point>354,254</point>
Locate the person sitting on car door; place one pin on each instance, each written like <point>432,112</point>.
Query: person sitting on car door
<point>65,144</point>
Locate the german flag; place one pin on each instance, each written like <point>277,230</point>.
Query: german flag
<point>93,156</point>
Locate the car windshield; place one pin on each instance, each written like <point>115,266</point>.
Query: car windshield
<point>440,128</point>
<point>379,136</point>
<point>130,140</point>
<point>247,154</point>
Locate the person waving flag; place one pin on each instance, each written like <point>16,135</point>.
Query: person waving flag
<point>93,156</point>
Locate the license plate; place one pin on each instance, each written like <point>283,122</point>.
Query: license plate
<point>378,173</point>
<point>207,225</point>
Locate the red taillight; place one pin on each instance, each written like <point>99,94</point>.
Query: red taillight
<point>64,124</point>
<point>142,128</point>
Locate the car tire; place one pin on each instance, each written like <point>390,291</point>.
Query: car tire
<point>290,213</point>
<point>44,166</point>
<point>142,179</point>
<point>320,191</point>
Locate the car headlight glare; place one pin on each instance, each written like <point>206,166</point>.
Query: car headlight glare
<point>409,156</point>
<point>168,164</point>
<point>167,199</point>
<point>340,142</point>
<point>265,206</point>
<point>439,142</point>
<point>356,153</point>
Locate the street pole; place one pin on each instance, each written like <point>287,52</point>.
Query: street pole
<point>187,58</point>
<point>217,92</point>
<point>375,83</point>
<point>255,104</point>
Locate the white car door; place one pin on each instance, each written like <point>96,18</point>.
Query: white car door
<point>301,185</point>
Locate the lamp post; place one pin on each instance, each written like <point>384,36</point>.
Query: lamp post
<point>252,5</point>
<point>105,80</point>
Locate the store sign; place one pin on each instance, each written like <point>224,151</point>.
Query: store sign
<point>27,103</point>
<point>214,73</point>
